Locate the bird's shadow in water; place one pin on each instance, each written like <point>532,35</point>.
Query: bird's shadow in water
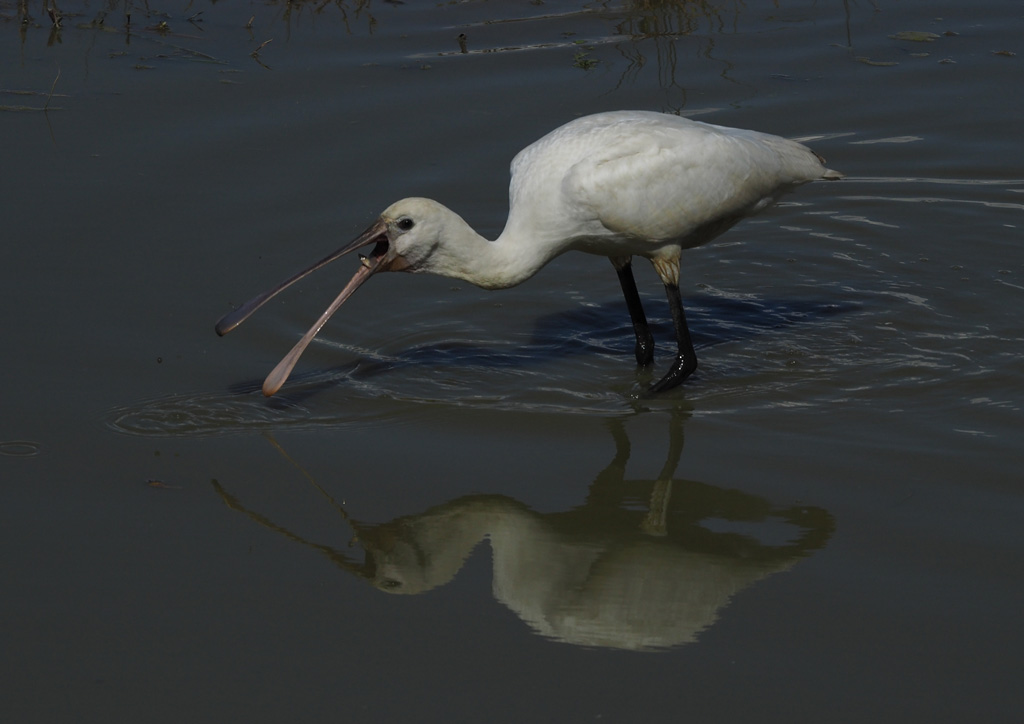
<point>595,329</point>
<point>639,564</point>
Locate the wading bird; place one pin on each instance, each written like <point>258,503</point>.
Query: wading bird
<point>618,184</point>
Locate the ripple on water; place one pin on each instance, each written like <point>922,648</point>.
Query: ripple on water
<point>573,362</point>
<point>20,448</point>
<point>881,322</point>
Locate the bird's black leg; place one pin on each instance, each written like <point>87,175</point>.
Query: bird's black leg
<point>644,339</point>
<point>686,360</point>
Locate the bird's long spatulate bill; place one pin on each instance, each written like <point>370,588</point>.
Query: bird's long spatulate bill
<point>232,319</point>
<point>279,375</point>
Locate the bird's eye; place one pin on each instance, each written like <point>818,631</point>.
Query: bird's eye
<point>405,223</point>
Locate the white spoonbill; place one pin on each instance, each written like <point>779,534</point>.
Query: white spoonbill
<point>618,184</point>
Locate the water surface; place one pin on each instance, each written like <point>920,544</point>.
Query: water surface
<point>823,524</point>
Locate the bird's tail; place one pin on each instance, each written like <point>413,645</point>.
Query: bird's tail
<point>829,174</point>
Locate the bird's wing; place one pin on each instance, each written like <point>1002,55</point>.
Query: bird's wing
<point>666,183</point>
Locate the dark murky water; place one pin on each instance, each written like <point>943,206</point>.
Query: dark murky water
<point>822,525</point>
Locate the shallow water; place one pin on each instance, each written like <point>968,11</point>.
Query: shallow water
<point>822,524</point>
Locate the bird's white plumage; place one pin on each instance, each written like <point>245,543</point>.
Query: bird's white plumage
<point>632,182</point>
<point>619,184</point>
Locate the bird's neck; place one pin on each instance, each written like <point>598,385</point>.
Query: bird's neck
<point>511,259</point>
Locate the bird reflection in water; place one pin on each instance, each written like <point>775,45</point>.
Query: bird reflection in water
<point>640,565</point>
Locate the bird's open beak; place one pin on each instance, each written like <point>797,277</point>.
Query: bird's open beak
<point>381,258</point>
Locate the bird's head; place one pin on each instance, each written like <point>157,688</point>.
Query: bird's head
<point>413,230</point>
<point>404,238</point>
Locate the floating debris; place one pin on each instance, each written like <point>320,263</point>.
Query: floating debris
<point>881,63</point>
<point>915,36</point>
